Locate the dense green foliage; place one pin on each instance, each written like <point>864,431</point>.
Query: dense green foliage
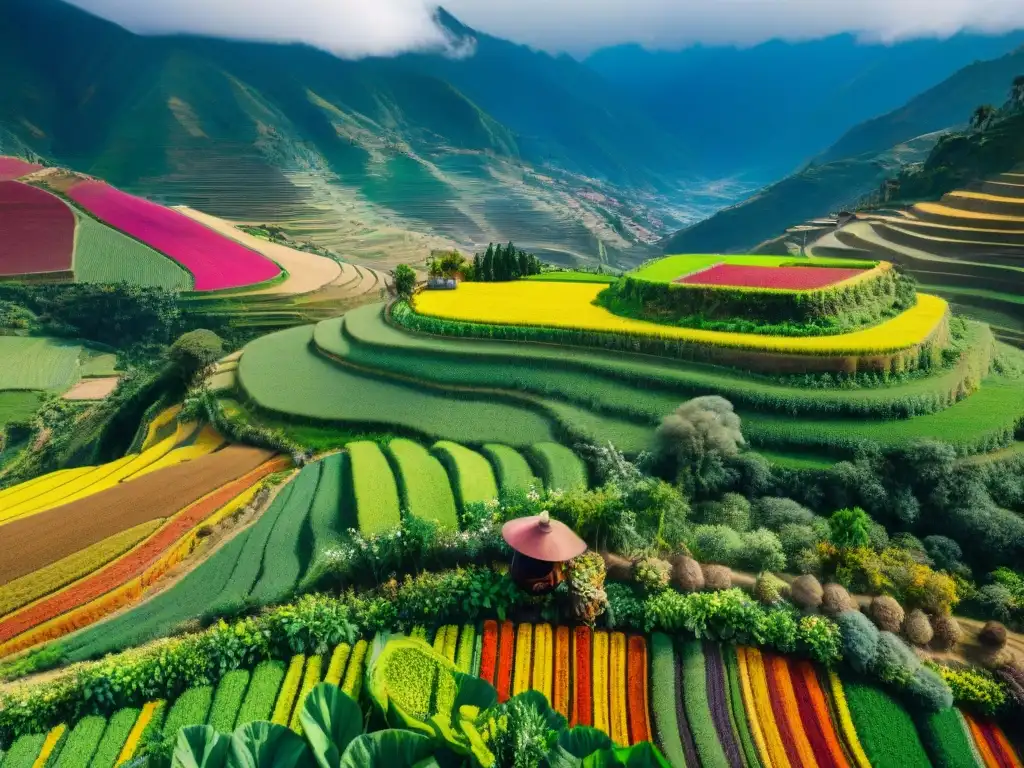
<point>695,700</point>
<point>227,699</point>
<point>511,469</point>
<point>502,263</point>
<point>81,743</point>
<point>945,736</point>
<point>824,311</point>
<point>262,693</point>
<point>114,738</point>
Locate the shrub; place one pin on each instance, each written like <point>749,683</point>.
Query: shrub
<point>762,551</point>
<point>992,635</point>
<point>930,690</point>
<point>807,592</point>
<point>1012,676</point>
<point>894,661</point>
<point>687,575</point>
<point>770,589</point>
<point>733,511</point>
<point>860,639</point>
<point>617,567</point>
<point>887,614</point>
<point>836,600</point>
<point>652,573</point>
<point>715,544</point>
<point>917,629</point>
<point>946,633</point>
<point>944,552</point>
<point>849,528</point>
<point>586,576</point>
<point>717,577</point>
<point>774,513</point>
<point>973,688</point>
<point>795,538</point>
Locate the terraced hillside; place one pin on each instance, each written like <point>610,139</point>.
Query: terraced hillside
<point>968,247</point>
<point>366,487</point>
<point>479,391</point>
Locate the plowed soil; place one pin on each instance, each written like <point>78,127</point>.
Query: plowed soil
<point>41,539</point>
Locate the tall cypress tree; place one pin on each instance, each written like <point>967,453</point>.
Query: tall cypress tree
<point>524,264</point>
<point>500,273</point>
<point>488,265</point>
<point>476,267</point>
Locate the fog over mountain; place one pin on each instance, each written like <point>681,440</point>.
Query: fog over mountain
<point>354,28</point>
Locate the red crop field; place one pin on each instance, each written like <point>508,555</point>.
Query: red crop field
<point>13,167</point>
<point>216,262</point>
<point>778,278</point>
<point>38,231</point>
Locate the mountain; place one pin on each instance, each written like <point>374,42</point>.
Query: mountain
<point>948,104</point>
<point>765,110</point>
<point>855,166</point>
<point>381,157</point>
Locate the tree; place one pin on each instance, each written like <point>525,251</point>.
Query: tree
<point>193,354</point>
<point>982,117</point>
<point>524,264</point>
<point>487,276</point>
<point>477,261</point>
<point>694,441</point>
<point>849,528</point>
<point>1017,92</point>
<point>405,280</point>
<point>451,263</point>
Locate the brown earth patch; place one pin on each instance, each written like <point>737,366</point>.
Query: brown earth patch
<point>92,389</point>
<point>41,539</point>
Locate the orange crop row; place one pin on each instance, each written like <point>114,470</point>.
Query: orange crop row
<point>506,645</point>
<point>489,651</point>
<point>562,672</point>
<point>583,698</point>
<point>638,704</point>
<point>124,580</point>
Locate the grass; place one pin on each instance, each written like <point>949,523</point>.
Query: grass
<point>191,708</point>
<point>24,751</point>
<point>259,699</point>
<point>18,406</point>
<point>947,740</point>
<point>104,255</point>
<point>886,730</point>
<point>559,467</point>
<point>374,488</point>
<point>33,362</point>
<point>426,492</point>
<point>289,545</point>
<point>671,267</point>
<point>797,459</point>
<point>572,277</point>
<point>282,374</point>
<point>470,473</point>
<point>511,468</point>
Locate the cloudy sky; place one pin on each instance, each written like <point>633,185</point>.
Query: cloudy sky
<point>364,27</point>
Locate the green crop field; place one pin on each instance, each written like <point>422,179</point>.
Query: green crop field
<point>33,362</point>
<point>287,554</point>
<point>374,488</point>
<point>668,269</point>
<point>886,729</point>
<point>632,385</point>
<point>511,468</point>
<point>96,363</point>
<point>572,277</point>
<point>104,255</point>
<point>470,473</point>
<point>330,516</point>
<point>426,492</point>
<point>282,374</point>
<point>18,406</point>
<point>560,468</point>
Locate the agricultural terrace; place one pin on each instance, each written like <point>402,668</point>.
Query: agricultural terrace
<point>356,489</point>
<point>38,231</point>
<point>307,272</point>
<point>569,276</point>
<point>598,396</point>
<point>121,526</point>
<point>15,167</point>
<point>673,268</point>
<point>571,306</point>
<point>104,255</point>
<point>215,262</point>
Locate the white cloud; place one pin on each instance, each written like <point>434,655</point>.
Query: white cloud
<point>369,27</point>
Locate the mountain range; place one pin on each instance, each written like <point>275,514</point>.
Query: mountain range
<point>387,158</point>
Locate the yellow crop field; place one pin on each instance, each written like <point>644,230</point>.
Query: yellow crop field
<point>570,305</point>
<point>159,422</point>
<point>40,485</point>
<point>939,209</point>
<point>208,441</point>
